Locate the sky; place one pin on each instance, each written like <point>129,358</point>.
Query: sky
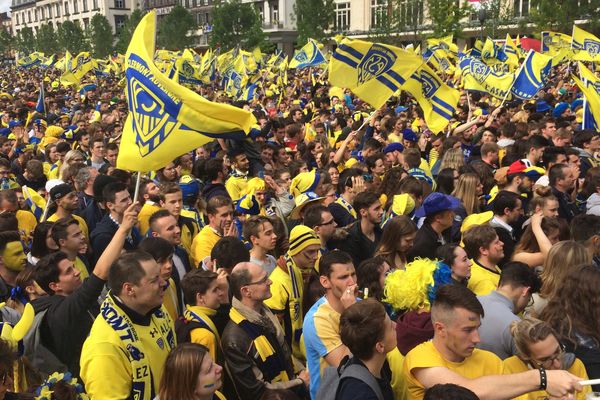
<point>4,5</point>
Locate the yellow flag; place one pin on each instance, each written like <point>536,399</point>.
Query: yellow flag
<point>511,51</point>
<point>476,75</point>
<point>437,100</point>
<point>166,119</point>
<point>371,70</point>
<point>585,45</point>
<point>554,42</point>
<point>76,68</point>
<point>592,96</point>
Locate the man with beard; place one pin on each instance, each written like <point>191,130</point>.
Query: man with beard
<point>562,181</point>
<point>219,210</point>
<point>67,202</point>
<point>150,192</point>
<point>486,250</point>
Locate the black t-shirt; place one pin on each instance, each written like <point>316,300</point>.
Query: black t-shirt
<point>355,389</point>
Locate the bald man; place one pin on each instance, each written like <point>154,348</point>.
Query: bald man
<point>251,323</point>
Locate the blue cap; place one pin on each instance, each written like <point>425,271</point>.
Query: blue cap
<point>437,202</point>
<point>576,103</point>
<point>393,147</point>
<point>541,106</point>
<point>5,132</point>
<point>559,109</point>
<point>12,124</point>
<point>408,134</point>
<point>399,109</point>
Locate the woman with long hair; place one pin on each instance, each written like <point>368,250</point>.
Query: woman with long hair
<point>190,373</point>
<point>370,277</point>
<point>561,258</point>
<point>574,313</point>
<point>468,190</point>
<point>446,180</point>
<point>545,202</point>
<point>397,239</point>
<point>42,243</point>
<point>538,238</point>
<point>453,158</point>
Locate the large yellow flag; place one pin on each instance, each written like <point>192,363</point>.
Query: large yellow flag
<point>554,42</point>
<point>76,68</point>
<point>372,71</point>
<point>476,75</point>
<point>585,45</point>
<point>511,51</point>
<point>592,96</point>
<point>166,119</point>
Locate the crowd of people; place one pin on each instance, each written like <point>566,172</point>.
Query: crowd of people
<point>342,253</point>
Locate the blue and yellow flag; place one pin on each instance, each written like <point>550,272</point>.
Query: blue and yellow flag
<point>437,100</point>
<point>592,101</point>
<point>30,60</point>
<point>592,82</point>
<point>372,71</point>
<point>532,76</point>
<point>76,68</point>
<point>511,51</point>
<point>166,119</point>
<point>40,107</point>
<point>49,62</point>
<point>585,45</point>
<point>492,53</point>
<point>308,56</point>
<point>34,201</point>
<point>554,42</point>
<point>478,76</point>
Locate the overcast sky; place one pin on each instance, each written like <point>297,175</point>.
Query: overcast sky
<point>4,5</point>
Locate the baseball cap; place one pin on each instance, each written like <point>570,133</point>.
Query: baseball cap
<point>393,147</point>
<point>518,167</point>
<point>60,191</point>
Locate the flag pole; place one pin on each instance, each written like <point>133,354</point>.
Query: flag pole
<point>137,187</point>
<point>46,208</point>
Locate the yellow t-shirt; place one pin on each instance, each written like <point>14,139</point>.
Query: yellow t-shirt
<point>80,221</point>
<point>235,186</point>
<point>482,280</point>
<point>286,297</point>
<point>203,336</point>
<point>80,266</point>
<point>514,365</point>
<point>146,212</point>
<point>425,355</point>
<point>395,360</point>
<point>203,243</point>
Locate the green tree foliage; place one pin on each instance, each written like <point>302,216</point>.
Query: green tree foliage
<point>560,15</point>
<point>173,29</point>
<point>6,42</point>
<point>71,37</point>
<point>47,40</point>
<point>313,19</point>
<point>125,34</point>
<point>100,36</point>
<point>236,24</point>
<point>26,41</point>
<point>386,27</point>
<point>446,16</point>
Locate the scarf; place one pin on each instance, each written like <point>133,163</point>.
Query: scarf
<point>142,387</point>
<point>202,316</point>
<point>347,206</point>
<point>273,364</point>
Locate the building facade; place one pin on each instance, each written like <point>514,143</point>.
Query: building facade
<point>6,22</point>
<point>33,14</point>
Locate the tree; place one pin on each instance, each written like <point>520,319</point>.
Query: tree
<point>446,16</point>
<point>386,26</point>
<point>236,24</point>
<point>174,28</point>
<point>126,32</point>
<point>561,15</point>
<point>410,18</point>
<point>71,37</point>
<point>313,19</point>
<point>6,42</point>
<point>47,40</point>
<point>26,41</point>
<point>100,36</point>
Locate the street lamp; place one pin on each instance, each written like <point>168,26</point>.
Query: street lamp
<point>482,17</point>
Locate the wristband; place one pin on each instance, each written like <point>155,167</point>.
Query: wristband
<point>543,379</point>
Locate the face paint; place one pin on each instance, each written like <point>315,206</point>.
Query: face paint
<point>14,257</point>
<point>209,386</point>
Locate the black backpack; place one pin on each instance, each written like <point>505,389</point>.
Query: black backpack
<point>183,328</point>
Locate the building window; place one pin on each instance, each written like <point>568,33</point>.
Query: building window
<point>86,23</point>
<point>261,10</point>
<point>66,8</point>
<point>29,16</point>
<point>75,7</point>
<point>85,6</point>
<point>411,14</point>
<point>49,11</point>
<point>207,18</point>
<point>119,4</point>
<point>58,10</point>
<point>119,22</point>
<point>275,13</point>
<point>521,8</point>
<point>342,16</point>
<point>95,4</point>
<point>378,10</point>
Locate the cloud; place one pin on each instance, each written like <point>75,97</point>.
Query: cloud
<point>5,5</point>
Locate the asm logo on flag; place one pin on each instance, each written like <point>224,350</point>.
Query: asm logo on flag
<point>81,60</point>
<point>429,83</point>
<point>378,60</point>
<point>301,57</point>
<point>592,47</point>
<point>187,70</point>
<point>153,107</point>
<point>479,70</point>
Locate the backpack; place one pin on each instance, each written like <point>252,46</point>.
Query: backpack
<point>42,359</point>
<point>332,377</point>
<point>183,328</point>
